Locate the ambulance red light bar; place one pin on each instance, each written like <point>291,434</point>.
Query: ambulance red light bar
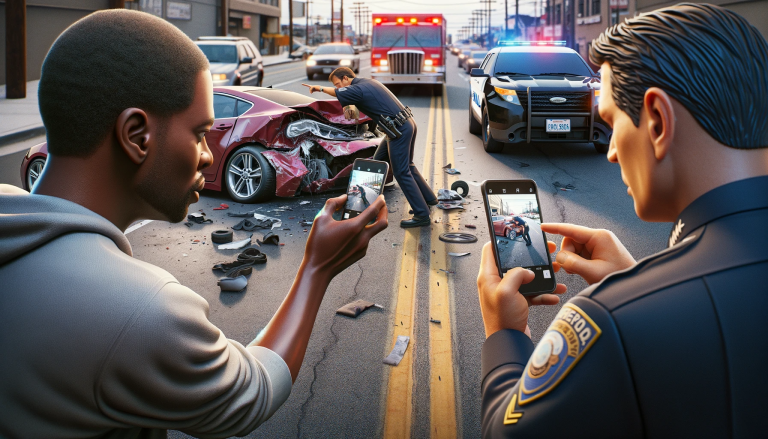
<point>531,43</point>
<point>414,20</point>
<point>377,20</point>
<point>435,21</point>
<point>400,20</point>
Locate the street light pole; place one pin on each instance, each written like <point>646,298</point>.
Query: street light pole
<point>341,21</point>
<point>332,36</point>
<point>290,26</point>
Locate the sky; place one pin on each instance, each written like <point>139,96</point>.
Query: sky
<point>456,12</point>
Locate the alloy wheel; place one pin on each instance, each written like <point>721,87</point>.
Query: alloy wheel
<point>34,171</point>
<point>244,174</point>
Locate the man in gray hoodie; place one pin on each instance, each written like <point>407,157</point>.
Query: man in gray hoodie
<point>94,343</point>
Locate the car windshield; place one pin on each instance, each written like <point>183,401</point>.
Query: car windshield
<point>389,36</point>
<point>219,53</point>
<point>282,97</point>
<point>424,36</point>
<point>335,49</point>
<point>479,55</point>
<point>534,63</point>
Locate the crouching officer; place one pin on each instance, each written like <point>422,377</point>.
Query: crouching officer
<point>673,345</point>
<point>396,121</point>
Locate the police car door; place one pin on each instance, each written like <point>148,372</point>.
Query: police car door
<point>476,86</point>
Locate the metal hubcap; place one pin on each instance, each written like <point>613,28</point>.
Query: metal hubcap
<point>33,173</point>
<point>244,175</point>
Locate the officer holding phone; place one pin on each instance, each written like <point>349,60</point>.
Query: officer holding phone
<point>375,100</point>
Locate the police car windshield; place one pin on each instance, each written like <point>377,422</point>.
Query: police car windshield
<point>335,49</point>
<point>389,36</point>
<point>533,63</point>
<point>219,53</point>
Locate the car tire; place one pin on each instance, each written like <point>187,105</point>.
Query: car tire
<point>489,143</point>
<point>474,125</point>
<point>260,80</point>
<point>601,148</point>
<point>460,187</point>
<point>249,159</point>
<point>511,235</point>
<point>310,76</point>
<point>34,169</point>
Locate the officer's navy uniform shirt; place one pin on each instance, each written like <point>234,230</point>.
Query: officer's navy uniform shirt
<point>371,97</point>
<point>682,346</point>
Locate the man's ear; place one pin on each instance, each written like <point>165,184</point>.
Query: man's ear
<point>660,120</point>
<point>132,131</point>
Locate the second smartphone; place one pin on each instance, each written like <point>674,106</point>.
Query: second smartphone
<point>365,184</point>
<point>514,219</point>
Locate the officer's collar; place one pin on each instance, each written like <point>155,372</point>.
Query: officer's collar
<point>355,80</point>
<point>728,199</point>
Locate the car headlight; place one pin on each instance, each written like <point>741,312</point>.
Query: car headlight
<point>345,62</point>
<point>219,76</point>
<point>311,62</point>
<point>321,130</point>
<point>508,95</point>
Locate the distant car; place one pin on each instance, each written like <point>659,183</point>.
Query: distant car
<point>474,59</point>
<point>327,57</point>
<point>536,92</point>
<point>268,142</point>
<point>233,60</point>
<point>504,226</point>
<point>300,51</point>
<point>465,52</point>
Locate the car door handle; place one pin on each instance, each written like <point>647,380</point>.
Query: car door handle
<point>224,126</point>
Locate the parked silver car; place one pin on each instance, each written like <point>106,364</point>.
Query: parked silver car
<point>327,57</point>
<point>233,60</point>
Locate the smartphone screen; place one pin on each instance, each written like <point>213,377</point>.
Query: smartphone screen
<point>365,184</point>
<point>514,220</point>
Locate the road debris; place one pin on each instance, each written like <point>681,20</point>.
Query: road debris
<point>564,187</point>
<point>448,166</point>
<point>470,226</point>
<point>458,255</point>
<point>302,203</point>
<point>448,195</point>
<point>458,238</point>
<point>446,271</point>
<point>356,308</point>
<point>237,244</point>
<point>233,284</point>
<point>221,236</point>
<point>305,223</point>
<point>222,206</point>
<point>452,171</point>
<point>198,218</point>
<point>450,205</point>
<point>269,238</point>
<point>248,258</point>
<point>398,351</point>
<point>460,187</point>
<point>434,320</point>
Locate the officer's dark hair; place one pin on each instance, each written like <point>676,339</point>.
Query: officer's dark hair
<point>709,59</point>
<point>109,61</point>
<point>341,72</point>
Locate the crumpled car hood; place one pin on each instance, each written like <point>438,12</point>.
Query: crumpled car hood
<point>332,111</point>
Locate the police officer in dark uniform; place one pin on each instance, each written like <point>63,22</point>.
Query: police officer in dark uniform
<point>377,102</point>
<point>526,229</point>
<point>674,345</point>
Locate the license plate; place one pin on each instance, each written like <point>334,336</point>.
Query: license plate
<point>558,125</point>
<point>327,70</point>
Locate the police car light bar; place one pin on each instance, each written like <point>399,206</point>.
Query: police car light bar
<point>531,43</point>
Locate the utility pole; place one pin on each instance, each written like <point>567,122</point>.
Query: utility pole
<point>517,18</point>
<point>290,26</point>
<point>224,18</point>
<point>341,21</point>
<point>16,49</point>
<point>506,20</point>
<point>332,36</point>
<point>306,24</point>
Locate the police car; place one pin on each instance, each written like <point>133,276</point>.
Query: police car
<point>529,91</point>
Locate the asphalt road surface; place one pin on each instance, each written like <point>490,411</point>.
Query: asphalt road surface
<point>514,252</point>
<point>344,389</point>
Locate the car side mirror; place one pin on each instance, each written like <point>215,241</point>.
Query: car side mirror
<point>478,73</point>
<point>246,60</point>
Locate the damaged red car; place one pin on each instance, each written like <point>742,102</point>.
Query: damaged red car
<point>268,142</point>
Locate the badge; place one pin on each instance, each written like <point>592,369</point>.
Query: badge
<point>568,338</point>
<point>342,89</point>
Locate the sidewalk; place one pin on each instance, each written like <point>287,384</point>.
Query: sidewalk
<point>20,118</point>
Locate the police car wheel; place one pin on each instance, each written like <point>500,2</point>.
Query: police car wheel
<point>489,144</point>
<point>474,125</point>
<point>310,76</point>
<point>601,148</point>
<point>248,176</point>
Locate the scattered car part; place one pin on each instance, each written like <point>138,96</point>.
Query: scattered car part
<point>434,320</point>
<point>448,195</point>
<point>470,226</point>
<point>236,245</point>
<point>452,171</point>
<point>461,187</point>
<point>450,205</point>
<point>239,271</point>
<point>458,238</point>
<point>269,238</point>
<point>459,254</point>
<point>398,351</point>
<point>355,308</point>
<point>304,202</point>
<point>198,218</point>
<point>221,236</point>
<point>235,284</point>
<point>222,206</point>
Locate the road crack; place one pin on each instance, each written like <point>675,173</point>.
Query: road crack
<point>326,350</point>
<point>556,194</point>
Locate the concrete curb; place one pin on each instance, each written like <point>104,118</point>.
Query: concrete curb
<point>20,135</point>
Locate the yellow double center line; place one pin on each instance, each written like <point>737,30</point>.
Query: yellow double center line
<point>399,399</point>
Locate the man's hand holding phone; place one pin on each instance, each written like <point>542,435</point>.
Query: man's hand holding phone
<point>593,254</point>
<point>502,305</point>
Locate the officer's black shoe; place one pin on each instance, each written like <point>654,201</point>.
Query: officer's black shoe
<point>527,244</point>
<point>416,221</point>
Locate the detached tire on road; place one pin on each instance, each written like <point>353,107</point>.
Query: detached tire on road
<point>460,187</point>
<point>248,175</point>
<point>489,144</point>
<point>221,236</point>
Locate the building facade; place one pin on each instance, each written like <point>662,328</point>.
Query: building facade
<point>46,19</point>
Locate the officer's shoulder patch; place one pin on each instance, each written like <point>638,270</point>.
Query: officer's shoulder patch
<point>342,89</point>
<point>568,338</point>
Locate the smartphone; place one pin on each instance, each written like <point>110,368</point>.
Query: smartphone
<point>514,220</point>
<point>365,184</point>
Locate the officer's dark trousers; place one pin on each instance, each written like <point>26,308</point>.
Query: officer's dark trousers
<point>399,153</point>
<point>526,235</point>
